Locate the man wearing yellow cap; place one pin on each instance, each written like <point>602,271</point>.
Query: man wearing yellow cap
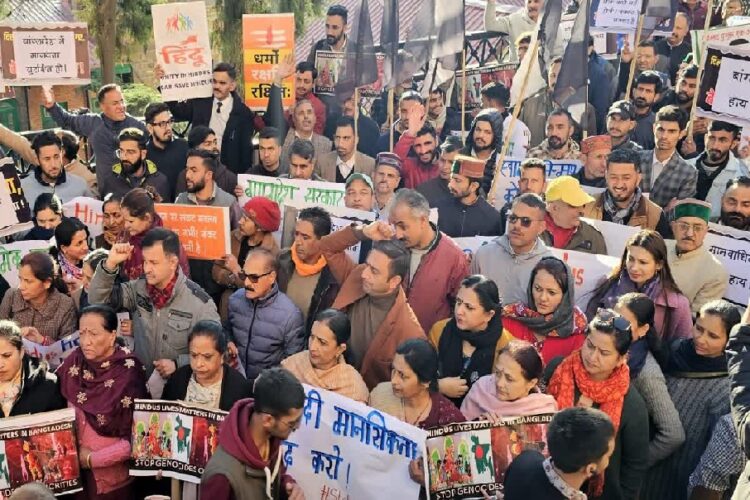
<point>467,213</point>
<point>565,229</point>
<point>700,276</point>
<point>594,152</point>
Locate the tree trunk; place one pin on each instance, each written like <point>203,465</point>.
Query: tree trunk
<point>106,13</point>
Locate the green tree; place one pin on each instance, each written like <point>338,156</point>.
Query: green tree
<point>118,28</point>
<point>227,33</point>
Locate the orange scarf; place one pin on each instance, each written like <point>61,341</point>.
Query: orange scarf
<point>608,394</point>
<point>307,269</point>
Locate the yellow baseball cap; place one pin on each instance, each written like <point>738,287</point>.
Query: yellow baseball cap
<point>568,190</point>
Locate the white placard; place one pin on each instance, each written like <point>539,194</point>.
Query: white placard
<point>45,56</point>
<point>283,190</point>
<point>11,255</point>
<point>507,183</point>
<point>589,270</point>
<point>733,87</point>
<point>616,16</point>
<point>733,251</point>
<point>615,235</point>
<point>89,211</point>
<point>55,353</point>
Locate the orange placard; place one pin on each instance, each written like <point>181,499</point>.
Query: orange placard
<point>266,40</point>
<point>203,231</point>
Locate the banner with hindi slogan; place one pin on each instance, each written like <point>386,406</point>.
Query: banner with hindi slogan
<point>173,438</point>
<point>732,248</point>
<point>203,230</point>
<point>724,90</point>
<point>54,354</point>
<point>507,183</point>
<point>615,16</point>
<point>266,40</point>
<point>283,190</point>
<point>44,53</point>
<point>15,213</point>
<point>87,210</point>
<point>40,447</point>
<point>464,458</point>
<point>345,449</point>
<point>11,255</point>
<point>183,49</point>
<point>615,235</point>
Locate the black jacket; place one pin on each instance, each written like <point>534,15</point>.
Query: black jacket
<point>236,145</point>
<point>526,479</point>
<point>496,119</point>
<point>40,392</point>
<point>324,294</point>
<point>233,386</point>
<point>435,190</point>
<point>738,356</point>
<point>458,220</point>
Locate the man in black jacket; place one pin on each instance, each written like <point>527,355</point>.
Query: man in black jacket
<point>738,358</point>
<point>226,114</point>
<point>467,213</point>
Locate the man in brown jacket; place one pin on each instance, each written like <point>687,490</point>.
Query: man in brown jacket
<point>373,297</point>
<point>623,202</point>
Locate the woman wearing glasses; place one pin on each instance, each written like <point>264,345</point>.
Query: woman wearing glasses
<point>469,343</point>
<point>597,376</point>
<point>139,215</point>
<point>644,268</point>
<point>698,383</point>
<point>549,319</point>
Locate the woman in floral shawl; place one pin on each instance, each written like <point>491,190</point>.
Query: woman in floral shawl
<point>101,380</point>
<point>551,321</point>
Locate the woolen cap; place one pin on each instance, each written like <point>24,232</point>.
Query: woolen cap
<point>264,212</point>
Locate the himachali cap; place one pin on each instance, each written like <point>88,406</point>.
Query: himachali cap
<point>596,143</point>
<point>389,159</point>
<point>690,207</point>
<point>625,109</point>
<point>468,166</point>
<point>568,190</point>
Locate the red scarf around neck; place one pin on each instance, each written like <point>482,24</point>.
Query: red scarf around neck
<point>161,297</point>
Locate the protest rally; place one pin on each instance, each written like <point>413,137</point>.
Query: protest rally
<point>375,249</point>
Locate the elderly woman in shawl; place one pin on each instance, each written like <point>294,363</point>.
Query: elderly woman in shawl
<point>323,364</point>
<point>550,321</point>
<point>100,380</point>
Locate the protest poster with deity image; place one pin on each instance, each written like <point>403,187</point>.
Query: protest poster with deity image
<point>464,458</point>
<point>507,182</point>
<point>267,39</point>
<point>346,449</point>
<point>44,53</point>
<point>724,90</point>
<point>40,447</point>
<point>183,49</point>
<point>173,438</point>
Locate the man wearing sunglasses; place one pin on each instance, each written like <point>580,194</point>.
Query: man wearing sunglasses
<point>168,152</point>
<point>700,276</point>
<point>509,259</point>
<point>134,170</point>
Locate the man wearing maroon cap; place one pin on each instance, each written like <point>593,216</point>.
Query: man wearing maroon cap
<point>467,213</point>
<point>594,152</point>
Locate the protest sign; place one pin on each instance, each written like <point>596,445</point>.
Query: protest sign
<point>478,77</point>
<point>11,255</point>
<point>284,190</point>
<point>724,91</point>
<point>183,50</point>
<point>174,438</point>
<point>266,40</point>
<point>471,244</point>
<point>345,449</point>
<point>589,270</point>
<point>88,210</point>
<point>328,64</point>
<point>615,16</point>
<point>203,230</point>
<point>507,184</point>
<point>44,53</point>
<point>15,213</point>
<point>615,235</point>
<point>40,447</point>
<point>464,458</point>
<point>54,354</point>
<point>732,248</point>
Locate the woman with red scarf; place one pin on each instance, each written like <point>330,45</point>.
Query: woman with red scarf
<point>101,380</point>
<point>550,321</point>
<point>139,215</point>
<point>597,376</point>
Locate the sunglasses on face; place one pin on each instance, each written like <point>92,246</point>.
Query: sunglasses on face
<point>525,221</point>
<point>254,278</point>
<point>613,320</point>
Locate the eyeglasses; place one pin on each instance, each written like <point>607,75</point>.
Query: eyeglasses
<point>252,277</point>
<point>525,221</point>
<point>292,426</point>
<point>613,320</point>
<point>697,228</point>
<point>169,122</point>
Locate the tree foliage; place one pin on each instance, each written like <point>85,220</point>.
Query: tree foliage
<point>119,27</point>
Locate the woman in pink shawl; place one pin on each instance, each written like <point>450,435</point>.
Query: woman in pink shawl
<point>511,390</point>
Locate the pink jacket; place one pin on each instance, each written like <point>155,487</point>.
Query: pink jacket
<point>109,455</point>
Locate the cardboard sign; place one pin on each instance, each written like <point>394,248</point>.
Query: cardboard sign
<point>88,210</point>
<point>40,447</point>
<point>266,40</point>
<point>507,184</point>
<point>44,53</point>
<point>724,92</point>
<point>183,49</point>
<point>203,231</point>
<point>173,438</point>
<point>345,449</point>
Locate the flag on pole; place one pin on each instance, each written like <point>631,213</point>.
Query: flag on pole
<point>572,81</point>
<point>359,66</point>
<point>389,38</point>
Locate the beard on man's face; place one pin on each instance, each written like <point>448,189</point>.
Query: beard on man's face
<point>131,168</point>
<point>735,220</point>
